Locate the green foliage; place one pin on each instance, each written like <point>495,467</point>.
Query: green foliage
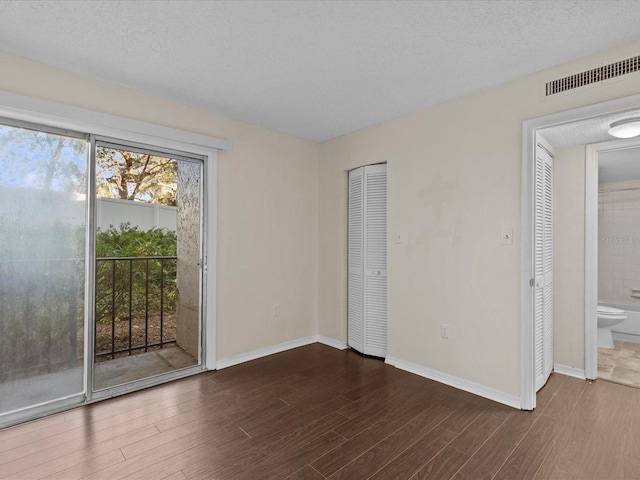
<point>24,240</point>
<point>130,241</point>
<point>42,285</point>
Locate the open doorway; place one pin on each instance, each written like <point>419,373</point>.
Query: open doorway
<point>618,259</point>
<point>147,265</point>
<point>580,127</point>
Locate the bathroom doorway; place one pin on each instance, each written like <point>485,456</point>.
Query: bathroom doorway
<point>572,132</point>
<point>618,267</point>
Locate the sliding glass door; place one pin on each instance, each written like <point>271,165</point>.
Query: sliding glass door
<point>101,278</point>
<point>43,211</point>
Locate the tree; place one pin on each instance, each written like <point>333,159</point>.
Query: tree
<point>136,176</point>
<point>50,162</point>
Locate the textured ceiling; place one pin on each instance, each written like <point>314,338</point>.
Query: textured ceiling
<point>584,132</point>
<point>314,69</point>
<point>614,166</point>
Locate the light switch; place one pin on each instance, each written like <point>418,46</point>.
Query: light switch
<point>399,237</point>
<point>507,236</point>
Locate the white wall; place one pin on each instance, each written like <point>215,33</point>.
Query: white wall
<point>268,205</point>
<point>568,244</point>
<point>454,184</point>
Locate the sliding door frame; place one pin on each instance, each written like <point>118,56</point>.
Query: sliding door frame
<point>51,115</point>
<point>134,385</point>
<point>75,399</point>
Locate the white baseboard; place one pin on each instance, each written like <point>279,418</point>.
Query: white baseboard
<point>332,342</point>
<point>569,371</point>
<point>626,337</point>
<point>457,382</point>
<point>263,352</point>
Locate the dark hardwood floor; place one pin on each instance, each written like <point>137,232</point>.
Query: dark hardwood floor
<point>315,412</point>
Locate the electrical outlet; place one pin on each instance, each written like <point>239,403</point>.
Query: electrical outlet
<point>276,310</point>
<point>444,330</point>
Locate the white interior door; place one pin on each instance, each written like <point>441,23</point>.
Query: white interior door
<point>543,265</point>
<point>375,260</point>
<point>368,260</point>
<point>355,313</point>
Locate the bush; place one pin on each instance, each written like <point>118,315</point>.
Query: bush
<point>130,241</point>
<point>124,282</point>
<point>41,292</point>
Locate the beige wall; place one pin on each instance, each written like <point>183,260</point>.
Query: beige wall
<point>568,245</point>
<point>268,205</point>
<point>454,183</point>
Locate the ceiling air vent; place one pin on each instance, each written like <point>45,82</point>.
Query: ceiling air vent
<point>595,75</point>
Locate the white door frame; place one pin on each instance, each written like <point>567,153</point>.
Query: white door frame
<point>529,130</point>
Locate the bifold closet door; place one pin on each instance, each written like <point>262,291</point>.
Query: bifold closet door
<point>367,298</point>
<point>543,265</point>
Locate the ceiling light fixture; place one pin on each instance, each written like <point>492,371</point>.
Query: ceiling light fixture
<point>627,128</point>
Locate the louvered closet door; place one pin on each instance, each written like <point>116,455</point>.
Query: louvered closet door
<point>367,299</point>
<point>356,265</point>
<point>543,263</point>
<point>375,260</point>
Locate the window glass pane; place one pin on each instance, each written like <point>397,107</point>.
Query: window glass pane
<point>43,199</point>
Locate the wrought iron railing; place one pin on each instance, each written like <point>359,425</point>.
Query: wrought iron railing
<point>134,294</point>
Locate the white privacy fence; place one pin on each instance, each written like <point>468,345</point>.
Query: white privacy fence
<point>69,209</point>
<point>113,211</point>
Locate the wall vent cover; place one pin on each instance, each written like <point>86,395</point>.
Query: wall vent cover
<point>595,75</point>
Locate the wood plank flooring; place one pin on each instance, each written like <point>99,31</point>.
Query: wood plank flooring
<point>316,413</point>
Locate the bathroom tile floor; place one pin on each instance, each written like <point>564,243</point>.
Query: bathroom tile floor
<point>621,364</point>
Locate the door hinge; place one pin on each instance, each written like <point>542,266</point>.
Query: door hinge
<point>532,282</point>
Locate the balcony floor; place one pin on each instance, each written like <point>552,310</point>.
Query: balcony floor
<point>136,367</point>
<point>25,392</point>
<point>42,388</point>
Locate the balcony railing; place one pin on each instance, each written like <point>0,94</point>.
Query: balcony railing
<point>135,305</point>
<point>42,315</point>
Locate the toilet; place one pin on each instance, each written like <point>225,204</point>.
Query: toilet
<point>607,318</point>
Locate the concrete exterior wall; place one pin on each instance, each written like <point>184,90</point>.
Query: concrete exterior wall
<point>188,272</point>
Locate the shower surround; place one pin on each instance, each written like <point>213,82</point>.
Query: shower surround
<point>619,243</point>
